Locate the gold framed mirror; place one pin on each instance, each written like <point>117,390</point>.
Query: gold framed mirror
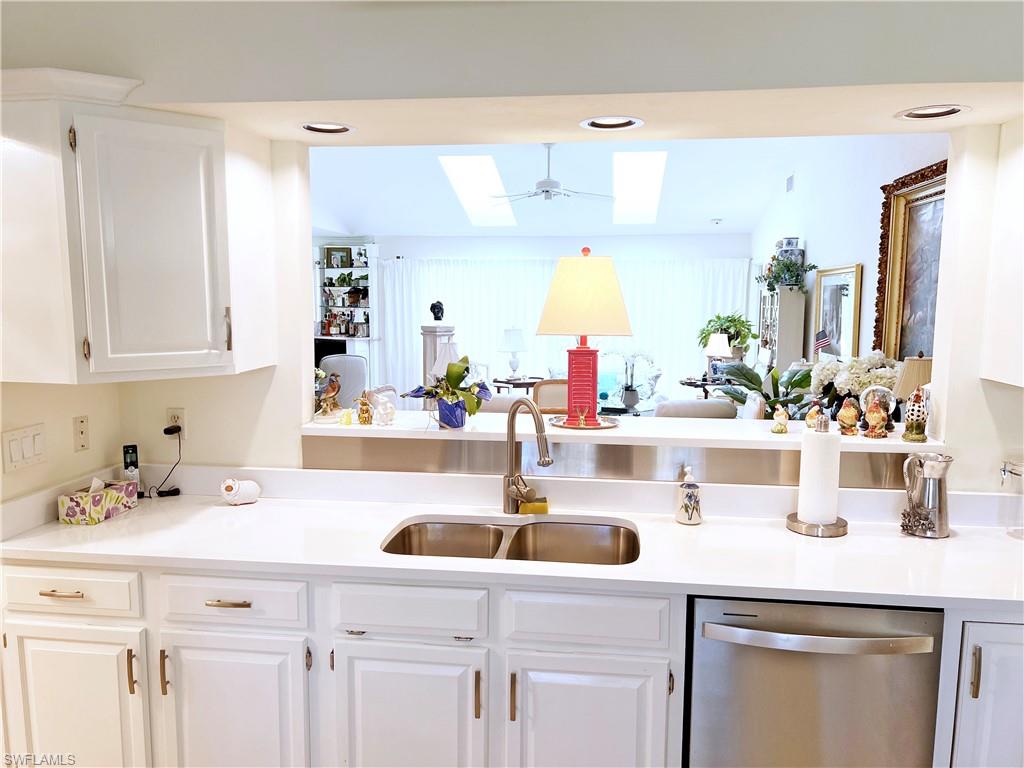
<point>837,312</point>
<point>908,262</point>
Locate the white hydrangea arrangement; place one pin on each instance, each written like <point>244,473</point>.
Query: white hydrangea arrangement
<point>855,375</point>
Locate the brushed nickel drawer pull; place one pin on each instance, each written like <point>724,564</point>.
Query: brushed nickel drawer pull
<point>163,672</point>
<point>476,694</point>
<point>229,603</point>
<point>356,632</point>
<point>56,593</point>
<point>131,672</point>
<point>976,672</point>
<point>512,697</point>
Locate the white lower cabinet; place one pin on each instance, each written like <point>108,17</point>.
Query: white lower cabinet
<point>77,690</point>
<point>990,702</point>
<point>234,699</point>
<point>571,710</point>
<point>402,704</point>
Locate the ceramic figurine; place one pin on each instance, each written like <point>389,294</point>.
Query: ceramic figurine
<point>811,419</point>
<point>365,411</point>
<point>916,419</point>
<point>384,411</point>
<point>876,416</point>
<point>437,310</point>
<point>848,417</point>
<point>781,418</point>
<point>329,397</point>
<point>688,501</point>
<point>345,418</point>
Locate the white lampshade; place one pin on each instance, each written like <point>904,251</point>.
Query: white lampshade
<point>584,300</point>
<point>512,341</point>
<point>915,372</point>
<point>718,346</point>
<point>447,352</point>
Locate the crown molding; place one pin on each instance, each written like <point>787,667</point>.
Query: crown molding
<point>35,84</point>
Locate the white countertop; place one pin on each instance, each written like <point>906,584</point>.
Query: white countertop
<point>632,430</point>
<point>982,566</point>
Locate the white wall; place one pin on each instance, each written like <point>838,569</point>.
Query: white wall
<point>835,207</point>
<point>981,421</point>
<point>288,51</point>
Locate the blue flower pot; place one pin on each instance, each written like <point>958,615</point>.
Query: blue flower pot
<point>451,415</point>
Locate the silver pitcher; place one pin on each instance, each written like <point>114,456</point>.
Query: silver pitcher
<point>927,512</point>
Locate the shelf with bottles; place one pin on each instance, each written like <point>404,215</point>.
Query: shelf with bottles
<point>350,322</point>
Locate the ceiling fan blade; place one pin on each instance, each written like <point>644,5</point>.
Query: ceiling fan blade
<point>595,195</point>
<point>514,197</point>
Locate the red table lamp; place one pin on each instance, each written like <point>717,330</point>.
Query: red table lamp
<point>584,300</point>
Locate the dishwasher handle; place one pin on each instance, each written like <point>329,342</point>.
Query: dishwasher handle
<point>787,641</point>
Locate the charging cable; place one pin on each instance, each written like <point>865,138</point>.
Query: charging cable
<point>158,490</point>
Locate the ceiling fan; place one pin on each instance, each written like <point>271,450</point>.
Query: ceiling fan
<point>549,188</point>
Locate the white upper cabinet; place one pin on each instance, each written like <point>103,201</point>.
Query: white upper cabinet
<point>119,259</point>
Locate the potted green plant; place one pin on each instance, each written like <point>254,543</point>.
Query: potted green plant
<point>788,389</point>
<point>785,272</point>
<point>739,330</point>
<point>455,399</point>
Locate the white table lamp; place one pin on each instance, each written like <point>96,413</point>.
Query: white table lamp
<point>719,346</point>
<point>584,300</point>
<point>513,343</point>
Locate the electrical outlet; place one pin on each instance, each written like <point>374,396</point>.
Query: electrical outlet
<point>176,417</point>
<point>80,425</point>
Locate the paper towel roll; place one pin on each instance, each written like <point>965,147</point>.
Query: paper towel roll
<point>239,491</point>
<point>818,499</point>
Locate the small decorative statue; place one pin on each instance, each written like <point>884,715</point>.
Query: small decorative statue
<point>848,417</point>
<point>345,419</point>
<point>365,411</point>
<point>329,397</point>
<point>781,418</point>
<point>917,418</point>
<point>688,501</point>
<point>384,411</point>
<point>437,310</point>
<point>876,416</point>
<point>811,419</point>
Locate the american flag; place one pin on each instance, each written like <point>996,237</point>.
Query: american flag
<point>821,340</point>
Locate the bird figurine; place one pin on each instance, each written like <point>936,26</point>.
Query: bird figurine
<point>848,417</point>
<point>781,418</point>
<point>811,419</point>
<point>329,397</point>
<point>916,418</point>
<point>877,417</point>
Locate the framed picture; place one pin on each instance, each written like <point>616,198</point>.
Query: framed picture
<point>337,256</point>
<point>908,262</point>
<point>837,311</point>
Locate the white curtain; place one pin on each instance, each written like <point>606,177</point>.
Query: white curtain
<point>668,300</point>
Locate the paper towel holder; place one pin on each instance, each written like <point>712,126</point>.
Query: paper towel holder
<point>817,530</point>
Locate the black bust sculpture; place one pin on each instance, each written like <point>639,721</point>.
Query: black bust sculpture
<point>437,310</point>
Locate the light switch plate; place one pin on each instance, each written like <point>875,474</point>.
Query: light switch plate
<point>23,447</point>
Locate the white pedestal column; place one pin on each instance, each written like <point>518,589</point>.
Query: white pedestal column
<point>434,335</point>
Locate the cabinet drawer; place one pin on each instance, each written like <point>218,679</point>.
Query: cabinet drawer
<point>234,601</point>
<point>72,591</point>
<point>587,619</point>
<point>394,608</point>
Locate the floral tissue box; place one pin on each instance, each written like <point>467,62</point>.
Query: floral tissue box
<point>87,507</point>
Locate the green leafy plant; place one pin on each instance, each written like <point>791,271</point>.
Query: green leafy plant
<point>788,389</point>
<point>452,388</point>
<point>785,272</point>
<point>739,330</point>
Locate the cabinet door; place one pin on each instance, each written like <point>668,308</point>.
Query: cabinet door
<point>585,710</point>
<point>990,704</point>
<point>405,704</point>
<point>153,244</point>
<point>68,692</point>
<point>235,698</point>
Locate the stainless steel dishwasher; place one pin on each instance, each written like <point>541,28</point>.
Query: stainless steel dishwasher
<point>796,684</point>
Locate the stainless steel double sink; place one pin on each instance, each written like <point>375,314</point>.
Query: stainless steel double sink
<point>560,541</point>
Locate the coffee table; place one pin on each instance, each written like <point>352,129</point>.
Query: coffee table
<point>523,382</point>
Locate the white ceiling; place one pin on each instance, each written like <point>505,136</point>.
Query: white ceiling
<point>404,191</point>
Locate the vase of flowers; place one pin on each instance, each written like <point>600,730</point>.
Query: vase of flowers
<point>832,381</point>
<point>456,400</point>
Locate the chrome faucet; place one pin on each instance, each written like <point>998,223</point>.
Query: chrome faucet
<point>516,491</point>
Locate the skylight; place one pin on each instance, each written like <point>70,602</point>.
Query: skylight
<point>478,185</point>
<point>637,178</point>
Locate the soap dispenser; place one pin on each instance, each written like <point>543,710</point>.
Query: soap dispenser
<point>688,500</point>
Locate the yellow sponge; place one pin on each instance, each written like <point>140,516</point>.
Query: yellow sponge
<point>538,506</point>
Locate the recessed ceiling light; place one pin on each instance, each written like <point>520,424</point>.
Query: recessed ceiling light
<point>611,123</point>
<point>636,181</point>
<point>480,190</point>
<point>716,222</point>
<point>321,127</point>
<point>932,111</point>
